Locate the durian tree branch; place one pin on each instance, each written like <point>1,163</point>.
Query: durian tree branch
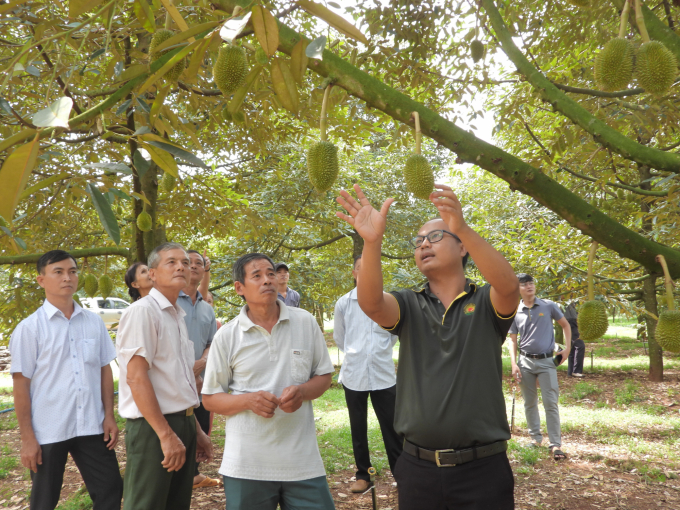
<point>670,300</point>
<point>601,132</point>
<point>600,93</point>
<point>317,245</point>
<point>78,254</point>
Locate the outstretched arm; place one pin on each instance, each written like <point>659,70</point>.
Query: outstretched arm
<point>204,287</point>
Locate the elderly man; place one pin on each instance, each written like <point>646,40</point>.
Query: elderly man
<point>158,391</point>
<point>264,369</point>
<point>63,391</point>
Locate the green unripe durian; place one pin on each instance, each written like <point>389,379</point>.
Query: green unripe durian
<point>167,183</point>
<point>668,330</point>
<point>322,165</point>
<point>476,50</point>
<point>158,38</point>
<point>239,117</point>
<point>230,69</point>
<point>620,193</point>
<point>655,68</point>
<point>226,115</point>
<point>90,285</point>
<point>419,176</point>
<point>261,56</point>
<point>614,65</point>
<point>144,222</point>
<point>592,320</point>
<point>105,285</point>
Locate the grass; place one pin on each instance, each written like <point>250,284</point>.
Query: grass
<point>583,390</point>
<point>628,394</point>
<point>78,501</point>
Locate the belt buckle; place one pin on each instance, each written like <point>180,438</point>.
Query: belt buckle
<point>190,411</point>
<point>438,462</point>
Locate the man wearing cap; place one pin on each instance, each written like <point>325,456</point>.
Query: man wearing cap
<point>286,294</point>
<point>534,324</point>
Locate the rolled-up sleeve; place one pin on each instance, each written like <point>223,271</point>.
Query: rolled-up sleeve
<point>137,336</point>
<point>23,348</point>
<point>218,369</point>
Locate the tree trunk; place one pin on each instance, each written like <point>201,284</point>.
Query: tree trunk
<point>655,351</point>
<point>149,183</point>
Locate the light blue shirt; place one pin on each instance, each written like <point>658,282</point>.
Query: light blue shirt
<point>63,358</point>
<point>368,364</point>
<point>200,321</point>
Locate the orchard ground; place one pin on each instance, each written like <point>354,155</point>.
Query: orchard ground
<point>621,433</point>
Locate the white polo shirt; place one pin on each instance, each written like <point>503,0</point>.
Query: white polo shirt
<point>245,358</point>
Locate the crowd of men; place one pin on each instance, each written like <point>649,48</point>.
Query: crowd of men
<point>442,415</point>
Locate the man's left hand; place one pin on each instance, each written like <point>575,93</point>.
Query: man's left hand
<point>110,432</point>
<point>564,354</point>
<point>204,447</point>
<point>199,366</point>
<point>290,399</point>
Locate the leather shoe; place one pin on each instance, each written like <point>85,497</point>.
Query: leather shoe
<point>360,486</point>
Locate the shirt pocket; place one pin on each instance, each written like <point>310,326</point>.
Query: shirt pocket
<point>300,365</point>
<point>90,351</point>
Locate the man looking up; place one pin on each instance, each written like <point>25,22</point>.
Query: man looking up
<point>63,391</point>
<point>264,369</point>
<point>450,407</point>
<point>534,323</point>
<point>286,294</point>
<point>201,327</point>
<point>158,391</point>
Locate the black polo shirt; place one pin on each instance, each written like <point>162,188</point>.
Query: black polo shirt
<point>449,380</point>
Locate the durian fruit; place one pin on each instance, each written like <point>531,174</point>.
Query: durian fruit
<point>90,285</point>
<point>226,115</point>
<point>167,183</point>
<point>614,65</point>
<point>144,222</point>
<point>261,56</point>
<point>230,69</point>
<point>668,328</point>
<point>476,50</point>
<point>655,68</point>
<point>621,195</point>
<point>322,158</point>
<point>592,315</point>
<point>158,38</point>
<point>105,285</point>
<point>417,171</point>
<point>239,117</point>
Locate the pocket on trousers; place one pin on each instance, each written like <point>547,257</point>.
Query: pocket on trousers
<point>300,365</point>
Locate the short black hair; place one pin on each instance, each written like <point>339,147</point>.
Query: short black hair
<point>197,252</point>
<point>281,265</point>
<point>466,257</point>
<point>358,257</point>
<point>239,269</point>
<point>525,278</point>
<point>51,257</point>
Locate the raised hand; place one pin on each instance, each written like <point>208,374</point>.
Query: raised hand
<point>449,207</point>
<point>369,223</point>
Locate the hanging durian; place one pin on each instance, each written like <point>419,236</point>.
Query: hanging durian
<point>105,282</point>
<point>230,69</point>
<point>167,183</point>
<point>144,221</point>
<point>417,171</point>
<point>261,56</point>
<point>614,64</point>
<point>322,158</point>
<point>477,50</point>
<point>592,315</point>
<point>158,38</point>
<point>668,328</point>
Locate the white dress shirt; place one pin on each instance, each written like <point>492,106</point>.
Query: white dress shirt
<point>368,364</point>
<point>153,328</point>
<point>245,358</point>
<point>63,358</point>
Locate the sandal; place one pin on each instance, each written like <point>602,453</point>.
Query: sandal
<point>558,454</point>
<point>207,482</point>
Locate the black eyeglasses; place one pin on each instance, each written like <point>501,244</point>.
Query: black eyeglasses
<point>434,237</point>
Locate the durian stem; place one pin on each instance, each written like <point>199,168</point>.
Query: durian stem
<point>168,21</point>
<point>416,117</point>
<point>85,264</point>
<point>324,105</point>
<point>106,264</point>
<point>591,258</point>
<point>640,20</point>
<point>670,301</point>
<point>623,28</point>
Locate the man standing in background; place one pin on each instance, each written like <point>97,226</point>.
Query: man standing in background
<point>578,346</point>
<point>286,294</point>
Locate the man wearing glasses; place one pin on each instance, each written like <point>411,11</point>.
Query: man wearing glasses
<point>450,408</point>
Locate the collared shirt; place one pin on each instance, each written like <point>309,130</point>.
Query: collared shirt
<point>535,326</point>
<point>154,328</point>
<point>449,382</point>
<point>292,298</point>
<point>245,358</point>
<point>63,358</point>
<point>200,321</point>
<point>368,364</point>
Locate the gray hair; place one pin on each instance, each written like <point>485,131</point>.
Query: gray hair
<point>155,255</point>
<point>239,269</point>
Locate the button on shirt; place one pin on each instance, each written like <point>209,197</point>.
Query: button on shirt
<point>535,326</point>
<point>245,358</point>
<point>63,358</point>
<point>154,328</point>
<point>368,364</point>
<point>292,298</point>
<point>200,321</point>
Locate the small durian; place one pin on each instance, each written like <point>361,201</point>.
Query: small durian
<point>655,68</point>
<point>90,285</point>
<point>592,320</point>
<point>167,183</point>
<point>476,50</point>
<point>322,165</point>
<point>105,285</point>
<point>419,176</point>
<point>230,69</point>
<point>226,115</point>
<point>239,117</point>
<point>620,194</point>
<point>614,65</point>
<point>158,38</point>
<point>261,56</point>
<point>668,330</point>
<point>144,222</point>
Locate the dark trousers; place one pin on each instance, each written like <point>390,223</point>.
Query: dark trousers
<point>97,465</point>
<point>203,417</point>
<point>576,356</point>
<point>483,484</point>
<point>383,405</point>
<point>148,485</point>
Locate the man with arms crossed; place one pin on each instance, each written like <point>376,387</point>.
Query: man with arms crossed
<point>63,391</point>
<point>534,323</point>
<point>368,369</point>
<point>264,369</point>
<point>450,407</point>
<point>158,391</point>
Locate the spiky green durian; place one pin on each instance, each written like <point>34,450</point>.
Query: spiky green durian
<point>105,285</point>
<point>167,183</point>
<point>419,176</point>
<point>230,69</point>
<point>226,115</point>
<point>158,38</point>
<point>144,222</point>
<point>261,56</point>
<point>655,68</point>
<point>620,194</point>
<point>668,330</point>
<point>90,285</point>
<point>476,50</point>
<point>239,117</point>
<point>592,320</point>
<point>614,65</point>
<point>322,165</point>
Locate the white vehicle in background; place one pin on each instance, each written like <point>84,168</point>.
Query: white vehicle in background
<point>109,309</point>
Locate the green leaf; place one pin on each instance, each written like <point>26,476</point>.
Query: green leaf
<point>180,153</point>
<point>106,216</point>
<point>112,167</point>
<point>14,175</point>
<point>141,164</point>
<point>145,15</point>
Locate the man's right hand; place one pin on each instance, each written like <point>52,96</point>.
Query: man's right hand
<point>516,373</point>
<point>31,454</point>
<point>174,452</point>
<point>369,223</point>
<point>263,403</point>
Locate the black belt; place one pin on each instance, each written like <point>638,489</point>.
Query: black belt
<point>536,356</point>
<point>450,458</point>
<point>186,412</point>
